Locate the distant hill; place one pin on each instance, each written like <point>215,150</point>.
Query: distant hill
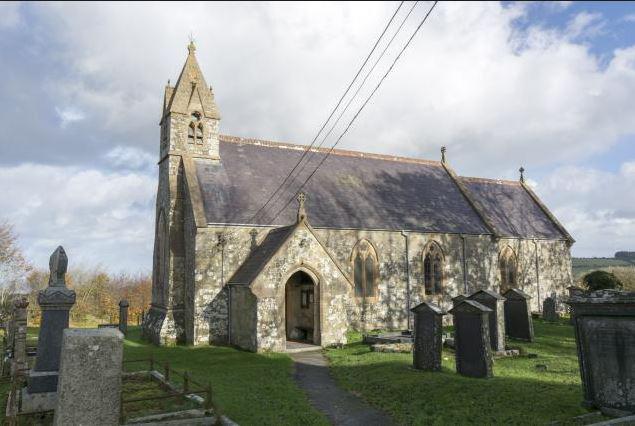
<point>582,265</point>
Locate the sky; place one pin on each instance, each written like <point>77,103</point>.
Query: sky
<point>549,86</point>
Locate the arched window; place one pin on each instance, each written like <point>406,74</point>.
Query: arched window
<point>508,265</point>
<point>433,269</point>
<point>365,269</point>
<point>190,133</point>
<point>199,134</point>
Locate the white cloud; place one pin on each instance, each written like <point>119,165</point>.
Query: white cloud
<point>99,218</point>
<point>69,115</point>
<point>128,157</point>
<point>629,18</point>
<point>9,14</point>
<point>596,207</point>
<point>585,24</point>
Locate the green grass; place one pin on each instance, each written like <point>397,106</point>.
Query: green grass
<point>518,394</point>
<point>583,265</point>
<point>251,389</point>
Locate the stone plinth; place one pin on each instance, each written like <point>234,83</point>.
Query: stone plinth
<point>471,339</point>
<point>428,331</point>
<point>518,322</point>
<point>604,324</point>
<point>549,312</point>
<point>89,388</point>
<point>123,316</point>
<point>496,303</point>
<point>55,302</point>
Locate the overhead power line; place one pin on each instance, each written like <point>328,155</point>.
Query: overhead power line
<point>350,101</point>
<point>425,18</point>
<point>261,209</point>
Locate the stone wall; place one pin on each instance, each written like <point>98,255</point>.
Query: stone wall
<point>389,310</point>
<point>243,312</point>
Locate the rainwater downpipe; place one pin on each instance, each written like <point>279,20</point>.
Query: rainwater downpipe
<point>464,248</point>
<point>537,274</point>
<point>407,280</point>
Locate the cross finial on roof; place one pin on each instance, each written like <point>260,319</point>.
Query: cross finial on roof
<point>301,210</point>
<point>522,174</point>
<point>443,149</point>
<point>191,47</point>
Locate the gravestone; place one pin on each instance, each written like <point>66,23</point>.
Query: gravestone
<point>458,299</point>
<point>573,291</point>
<point>20,365</point>
<point>471,339</point>
<point>518,322</point>
<point>496,303</point>
<point>123,316</point>
<point>549,312</point>
<point>55,302</point>
<point>89,388</point>
<point>428,342</point>
<point>604,323</point>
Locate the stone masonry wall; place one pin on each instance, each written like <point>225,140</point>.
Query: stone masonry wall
<point>390,308</point>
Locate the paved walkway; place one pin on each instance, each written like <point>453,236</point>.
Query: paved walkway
<point>341,407</point>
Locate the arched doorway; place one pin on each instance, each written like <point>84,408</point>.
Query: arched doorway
<point>302,312</point>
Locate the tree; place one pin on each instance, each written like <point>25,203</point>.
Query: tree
<point>601,280</point>
<point>13,269</point>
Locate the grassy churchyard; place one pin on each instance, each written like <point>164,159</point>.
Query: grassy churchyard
<point>257,389</point>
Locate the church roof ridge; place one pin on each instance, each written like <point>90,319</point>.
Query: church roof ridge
<point>340,152</point>
<point>489,180</point>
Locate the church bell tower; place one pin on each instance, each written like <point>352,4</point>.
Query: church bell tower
<point>189,130</point>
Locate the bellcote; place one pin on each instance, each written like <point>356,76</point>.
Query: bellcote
<point>191,93</point>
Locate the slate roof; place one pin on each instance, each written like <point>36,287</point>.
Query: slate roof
<point>360,191</point>
<point>252,266</point>
<point>511,209</point>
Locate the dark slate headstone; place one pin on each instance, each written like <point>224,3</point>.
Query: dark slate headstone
<point>549,312</point>
<point>471,339</point>
<point>518,322</point>
<point>428,331</point>
<point>458,299</point>
<point>495,302</point>
<point>123,316</point>
<point>55,302</point>
<point>604,324</point>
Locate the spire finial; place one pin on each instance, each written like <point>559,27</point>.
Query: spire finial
<point>522,174</point>
<point>191,47</point>
<point>443,149</point>
<point>301,210</point>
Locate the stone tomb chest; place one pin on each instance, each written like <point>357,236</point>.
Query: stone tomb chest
<point>604,324</point>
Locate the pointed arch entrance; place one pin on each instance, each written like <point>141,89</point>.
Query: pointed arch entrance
<point>302,307</point>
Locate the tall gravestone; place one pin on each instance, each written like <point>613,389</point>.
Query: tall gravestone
<point>518,322</point>
<point>89,388</point>
<point>458,299</point>
<point>604,323</point>
<point>123,316</point>
<point>428,331</point>
<point>495,302</point>
<point>549,312</point>
<point>55,303</point>
<point>471,338</point>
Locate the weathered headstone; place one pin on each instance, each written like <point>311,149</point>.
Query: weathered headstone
<point>496,303</point>
<point>518,322</point>
<point>20,363</point>
<point>428,342</point>
<point>458,299</point>
<point>471,339</point>
<point>55,302</point>
<point>123,316</point>
<point>89,388</point>
<point>549,312</point>
<point>605,338</point>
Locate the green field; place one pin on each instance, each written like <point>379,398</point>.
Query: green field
<point>583,265</point>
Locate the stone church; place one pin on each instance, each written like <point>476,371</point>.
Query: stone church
<point>370,237</point>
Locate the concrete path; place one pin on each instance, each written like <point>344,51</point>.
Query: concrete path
<point>341,407</point>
